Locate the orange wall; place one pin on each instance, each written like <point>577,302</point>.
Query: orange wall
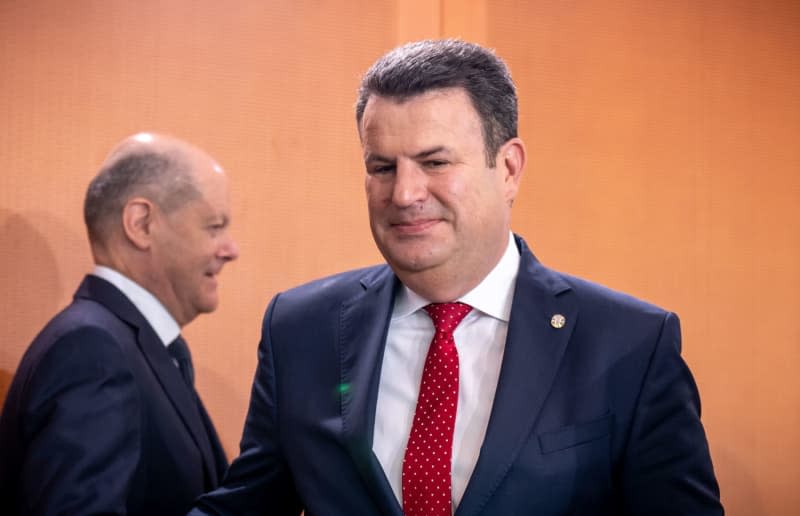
<point>663,160</point>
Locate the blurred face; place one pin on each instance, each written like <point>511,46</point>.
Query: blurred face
<point>439,215</point>
<point>191,245</point>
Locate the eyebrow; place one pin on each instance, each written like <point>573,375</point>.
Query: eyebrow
<point>371,157</point>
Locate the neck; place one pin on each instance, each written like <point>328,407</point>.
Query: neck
<point>136,267</point>
<point>444,286</point>
<point>436,291</point>
<point>445,283</point>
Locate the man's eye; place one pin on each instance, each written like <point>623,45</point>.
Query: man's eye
<point>382,169</point>
<point>435,163</point>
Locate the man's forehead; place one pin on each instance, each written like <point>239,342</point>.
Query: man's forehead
<point>423,118</point>
<point>446,105</point>
<point>405,100</point>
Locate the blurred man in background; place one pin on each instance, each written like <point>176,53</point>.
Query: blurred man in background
<point>102,416</point>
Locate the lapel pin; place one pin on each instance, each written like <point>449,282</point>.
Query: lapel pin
<point>558,321</point>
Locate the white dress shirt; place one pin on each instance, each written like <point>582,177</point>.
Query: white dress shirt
<point>480,341</point>
<point>151,308</point>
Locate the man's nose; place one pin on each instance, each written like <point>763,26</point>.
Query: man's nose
<point>410,184</point>
<point>229,250</point>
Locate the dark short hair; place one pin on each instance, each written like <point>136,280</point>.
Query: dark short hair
<point>418,67</point>
<point>163,178</point>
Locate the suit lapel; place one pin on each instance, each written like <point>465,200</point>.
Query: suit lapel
<point>363,323</point>
<point>533,352</point>
<point>182,398</point>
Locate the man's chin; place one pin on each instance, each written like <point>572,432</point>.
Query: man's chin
<point>206,306</point>
<point>410,263</point>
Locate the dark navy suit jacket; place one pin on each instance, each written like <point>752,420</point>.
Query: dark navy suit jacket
<point>99,420</point>
<point>599,417</point>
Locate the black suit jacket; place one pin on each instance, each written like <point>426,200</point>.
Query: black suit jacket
<point>99,420</point>
<point>598,417</point>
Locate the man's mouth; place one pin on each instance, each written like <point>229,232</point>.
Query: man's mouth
<point>411,227</point>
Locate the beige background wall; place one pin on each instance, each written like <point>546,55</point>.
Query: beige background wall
<point>663,160</point>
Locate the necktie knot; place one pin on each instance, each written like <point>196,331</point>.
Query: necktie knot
<point>179,351</point>
<point>446,316</point>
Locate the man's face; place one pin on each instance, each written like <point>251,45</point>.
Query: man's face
<point>191,245</point>
<point>437,211</point>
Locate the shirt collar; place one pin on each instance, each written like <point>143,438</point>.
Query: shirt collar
<point>493,296</point>
<point>150,307</point>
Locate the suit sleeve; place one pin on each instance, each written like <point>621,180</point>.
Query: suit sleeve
<point>668,470</point>
<point>82,426</point>
<point>259,480</point>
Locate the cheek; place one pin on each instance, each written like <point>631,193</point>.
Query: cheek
<point>196,255</point>
<point>453,193</point>
<point>473,200</point>
<point>377,194</point>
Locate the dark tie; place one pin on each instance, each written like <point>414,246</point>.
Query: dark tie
<point>208,440</point>
<point>180,352</point>
<point>427,481</point>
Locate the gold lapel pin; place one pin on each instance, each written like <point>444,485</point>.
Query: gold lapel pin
<point>558,321</point>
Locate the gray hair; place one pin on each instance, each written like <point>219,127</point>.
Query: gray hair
<point>163,178</point>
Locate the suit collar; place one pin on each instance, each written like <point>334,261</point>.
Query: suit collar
<point>183,399</point>
<point>148,305</point>
<point>533,352</point>
<point>102,291</point>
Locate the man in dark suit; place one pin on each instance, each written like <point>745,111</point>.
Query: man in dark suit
<point>102,416</point>
<point>464,377</point>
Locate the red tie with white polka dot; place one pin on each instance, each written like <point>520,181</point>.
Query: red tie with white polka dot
<point>427,483</point>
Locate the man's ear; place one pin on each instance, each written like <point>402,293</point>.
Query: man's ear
<point>511,159</point>
<point>137,222</point>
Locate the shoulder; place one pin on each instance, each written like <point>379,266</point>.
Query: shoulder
<point>317,306</point>
<point>83,340</point>
<point>536,279</point>
<point>336,288</point>
<point>595,296</point>
<point>615,324</point>
<point>598,314</point>
<point>83,321</point>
